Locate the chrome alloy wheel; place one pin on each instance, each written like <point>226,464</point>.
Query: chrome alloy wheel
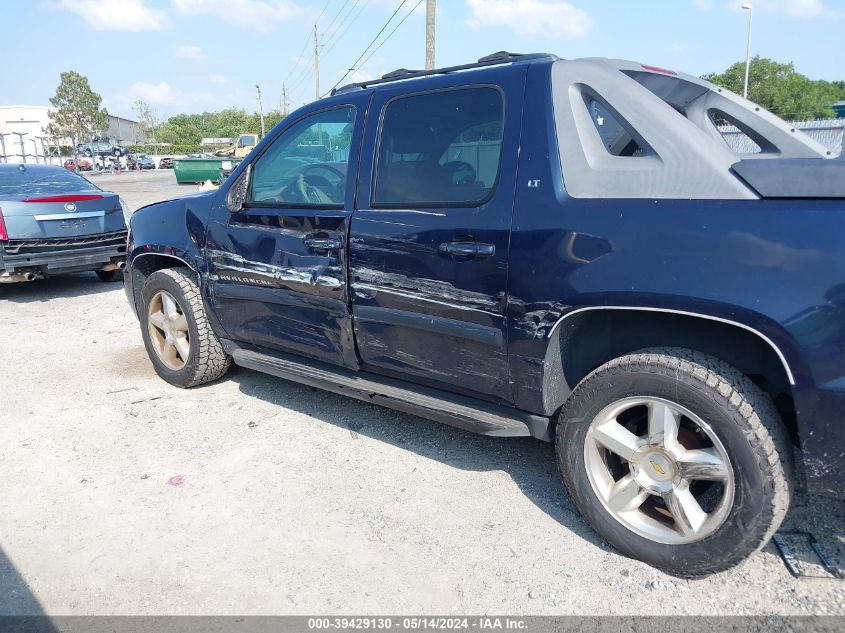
<point>659,470</point>
<point>168,329</point>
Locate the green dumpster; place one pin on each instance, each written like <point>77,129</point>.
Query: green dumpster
<point>201,169</point>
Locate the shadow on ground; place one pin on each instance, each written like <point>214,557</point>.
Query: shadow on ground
<point>16,598</point>
<point>529,462</point>
<point>62,286</point>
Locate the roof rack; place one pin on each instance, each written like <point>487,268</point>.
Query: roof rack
<point>494,59</point>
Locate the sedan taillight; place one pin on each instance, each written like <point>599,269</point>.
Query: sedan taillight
<point>4,234</point>
<point>65,198</point>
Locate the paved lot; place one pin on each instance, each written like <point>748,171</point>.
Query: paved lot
<point>291,500</point>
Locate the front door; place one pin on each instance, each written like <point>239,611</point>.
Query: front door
<point>277,268</point>
<point>429,242</point>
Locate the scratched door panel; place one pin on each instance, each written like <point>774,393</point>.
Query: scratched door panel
<point>420,313</point>
<point>273,291</point>
<point>428,254</point>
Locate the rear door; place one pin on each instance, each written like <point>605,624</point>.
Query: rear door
<point>277,269</point>
<point>429,242</point>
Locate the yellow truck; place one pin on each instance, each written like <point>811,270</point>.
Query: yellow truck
<point>241,148</point>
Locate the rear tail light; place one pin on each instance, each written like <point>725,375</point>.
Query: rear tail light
<point>66,198</point>
<point>4,234</point>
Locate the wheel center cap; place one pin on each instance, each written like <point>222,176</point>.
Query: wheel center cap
<point>653,468</point>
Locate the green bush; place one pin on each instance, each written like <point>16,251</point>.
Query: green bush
<point>163,149</point>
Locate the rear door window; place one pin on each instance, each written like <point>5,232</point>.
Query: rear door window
<point>440,148</point>
<point>40,180</point>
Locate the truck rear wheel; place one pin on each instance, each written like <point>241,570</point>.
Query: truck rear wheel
<point>179,340</point>
<point>675,458</point>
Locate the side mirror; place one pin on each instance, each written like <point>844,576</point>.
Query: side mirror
<point>238,191</point>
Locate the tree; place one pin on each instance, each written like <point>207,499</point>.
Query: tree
<point>781,89</point>
<point>147,120</point>
<point>189,129</point>
<point>78,114</point>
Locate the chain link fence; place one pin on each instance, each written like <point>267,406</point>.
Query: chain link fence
<point>828,132</point>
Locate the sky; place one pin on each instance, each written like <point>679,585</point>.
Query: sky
<point>205,55</point>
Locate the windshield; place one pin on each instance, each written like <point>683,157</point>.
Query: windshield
<point>15,182</point>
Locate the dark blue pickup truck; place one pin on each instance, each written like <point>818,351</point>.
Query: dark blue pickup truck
<point>528,246</point>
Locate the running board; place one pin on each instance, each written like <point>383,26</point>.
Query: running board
<point>452,409</point>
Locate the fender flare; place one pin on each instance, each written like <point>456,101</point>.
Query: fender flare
<point>789,374</point>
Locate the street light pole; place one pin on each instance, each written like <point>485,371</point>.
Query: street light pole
<point>750,8</point>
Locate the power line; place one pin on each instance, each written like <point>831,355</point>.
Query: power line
<point>336,16</point>
<point>340,30</point>
<point>305,44</point>
<point>344,25</point>
<point>369,46</point>
<point>391,33</point>
<point>305,71</point>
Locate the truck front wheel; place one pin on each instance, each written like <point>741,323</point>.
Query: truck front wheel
<point>179,340</point>
<point>675,458</point>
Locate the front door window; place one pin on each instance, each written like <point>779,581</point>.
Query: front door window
<point>307,165</point>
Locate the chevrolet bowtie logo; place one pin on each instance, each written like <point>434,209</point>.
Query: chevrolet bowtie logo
<point>657,467</point>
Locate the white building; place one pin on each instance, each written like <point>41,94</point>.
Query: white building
<point>32,122</point>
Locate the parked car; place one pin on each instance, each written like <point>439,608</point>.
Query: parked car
<point>139,161</point>
<point>78,164</point>
<point>53,221</point>
<point>166,162</point>
<point>567,250</point>
<point>100,148</point>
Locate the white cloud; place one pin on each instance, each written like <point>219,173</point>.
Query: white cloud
<point>189,51</point>
<point>259,15</point>
<point>151,93</point>
<point>703,5</point>
<point>365,73</point>
<point>217,78</point>
<point>163,95</point>
<point>804,8</point>
<point>791,8</point>
<point>530,17</point>
<point>117,15</point>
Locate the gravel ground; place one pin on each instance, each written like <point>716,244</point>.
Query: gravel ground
<point>124,495</point>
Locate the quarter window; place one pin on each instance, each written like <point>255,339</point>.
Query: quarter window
<point>440,148</point>
<point>307,165</point>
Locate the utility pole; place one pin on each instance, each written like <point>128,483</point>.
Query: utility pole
<point>430,10</point>
<point>750,8</point>
<point>260,109</point>
<point>284,100</point>
<point>316,62</point>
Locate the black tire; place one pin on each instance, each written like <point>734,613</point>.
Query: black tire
<point>109,275</point>
<point>207,360</point>
<point>737,411</point>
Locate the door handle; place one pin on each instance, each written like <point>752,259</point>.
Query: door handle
<point>322,242</point>
<point>468,249</point>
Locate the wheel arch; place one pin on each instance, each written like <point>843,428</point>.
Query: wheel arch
<point>587,337</point>
<point>145,264</point>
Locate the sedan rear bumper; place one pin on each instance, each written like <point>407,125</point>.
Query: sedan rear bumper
<point>20,259</point>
